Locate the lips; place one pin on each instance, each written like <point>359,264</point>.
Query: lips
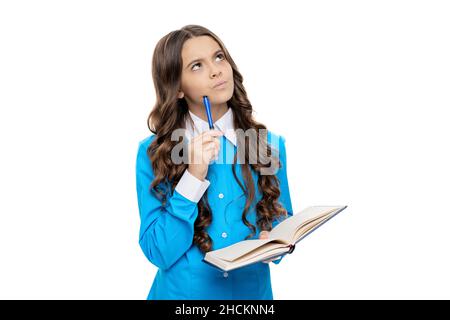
<point>219,83</point>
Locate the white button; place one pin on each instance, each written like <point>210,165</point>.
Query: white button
<point>220,195</point>
<point>224,235</point>
<point>225,274</point>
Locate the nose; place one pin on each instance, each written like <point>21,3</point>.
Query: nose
<point>215,72</point>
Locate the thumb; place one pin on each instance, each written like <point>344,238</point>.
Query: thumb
<point>264,234</point>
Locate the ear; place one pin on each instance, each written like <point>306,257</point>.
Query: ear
<point>180,94</point>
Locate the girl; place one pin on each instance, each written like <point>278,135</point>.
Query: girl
<point>188,208</point>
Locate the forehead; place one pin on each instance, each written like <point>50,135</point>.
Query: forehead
<point>198,48</point>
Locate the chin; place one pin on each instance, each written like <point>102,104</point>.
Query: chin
<point>221,96</point>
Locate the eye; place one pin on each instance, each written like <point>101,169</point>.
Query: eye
<point>198,63</point>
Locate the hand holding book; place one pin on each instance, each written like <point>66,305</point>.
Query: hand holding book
<point>265,235</point>
<point>274,244</point>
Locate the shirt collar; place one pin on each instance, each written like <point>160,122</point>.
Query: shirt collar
<point>224,124</point>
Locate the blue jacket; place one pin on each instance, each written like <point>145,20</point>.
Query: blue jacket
<point>166,232</point>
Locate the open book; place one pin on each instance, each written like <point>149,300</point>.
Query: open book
<point>282,239</point>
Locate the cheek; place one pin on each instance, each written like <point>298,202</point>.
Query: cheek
<point>194,86</point>
<point>230,75</point>
<point>189,84</point>
<point>229,70</point>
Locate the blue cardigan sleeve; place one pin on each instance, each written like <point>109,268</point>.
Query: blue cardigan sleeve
<point>285,197</point>
<point>166,232</point>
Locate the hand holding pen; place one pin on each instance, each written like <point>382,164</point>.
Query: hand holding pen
<point>203,148</point>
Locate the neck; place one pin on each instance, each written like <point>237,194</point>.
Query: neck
<point>217,111</point>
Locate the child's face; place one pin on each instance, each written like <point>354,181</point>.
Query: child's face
<point>198,78</point>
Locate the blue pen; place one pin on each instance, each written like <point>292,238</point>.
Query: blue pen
<point>208,111</point>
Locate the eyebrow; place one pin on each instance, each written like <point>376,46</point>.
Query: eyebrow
<point>217,51</point>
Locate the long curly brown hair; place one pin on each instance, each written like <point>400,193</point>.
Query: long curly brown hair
<point>169,114</point>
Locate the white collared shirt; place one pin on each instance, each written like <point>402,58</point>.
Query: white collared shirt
<point>190,186</point>
<point>224,124</point>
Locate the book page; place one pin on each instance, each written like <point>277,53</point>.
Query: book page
<point>276,252</point>
<point>240,262</point>
<point>240,249</point>
<point>308,227</point>
<point>236,250</point>
<point>287,229</point>
<point>262,251</point>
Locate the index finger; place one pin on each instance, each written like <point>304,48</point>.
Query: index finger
<point>213,133</point>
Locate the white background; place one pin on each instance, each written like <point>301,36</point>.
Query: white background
<point>360,90</point>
